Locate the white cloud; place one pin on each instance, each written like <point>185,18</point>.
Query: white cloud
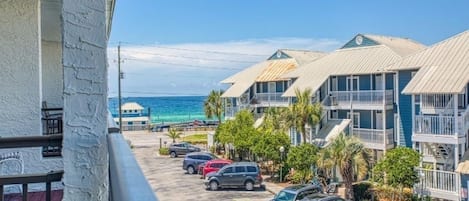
<point>170,69</point>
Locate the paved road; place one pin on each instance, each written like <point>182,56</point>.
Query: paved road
<point>170,182</point>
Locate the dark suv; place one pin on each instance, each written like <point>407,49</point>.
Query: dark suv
<point>241,174</point>
<point>194,159</point>
<point>297,192</point>
<point>181,148</point>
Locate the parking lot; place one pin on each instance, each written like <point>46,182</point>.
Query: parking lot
<point>171,182</point>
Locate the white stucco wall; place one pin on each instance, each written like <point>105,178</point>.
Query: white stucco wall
<point>52,73</point>
<point>20,80</point>
<point>85,149</point>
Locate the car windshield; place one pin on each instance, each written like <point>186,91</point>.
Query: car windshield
<point>213,156</point>
<point>284,196</point>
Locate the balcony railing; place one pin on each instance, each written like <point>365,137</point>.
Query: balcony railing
<point>370,97</point>
<point>437,125</point>
<point>439,184</point>
<point>435,101</point>
<point>374,136</point>
<point>269,98</point>
<point>25,179</point>
<point>127,182</point>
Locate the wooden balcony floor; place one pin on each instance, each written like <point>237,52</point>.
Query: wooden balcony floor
<point>56,195</point>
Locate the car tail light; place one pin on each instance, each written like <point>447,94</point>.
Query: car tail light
<point>259,177</point>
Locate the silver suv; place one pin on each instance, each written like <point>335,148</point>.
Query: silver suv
<point>193,160</point>
<point>235,175</point>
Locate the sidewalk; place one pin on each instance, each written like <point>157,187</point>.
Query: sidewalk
<point>271,187</point>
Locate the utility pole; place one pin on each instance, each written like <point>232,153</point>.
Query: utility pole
<point>119,84</point>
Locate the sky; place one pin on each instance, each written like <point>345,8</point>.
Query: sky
<point>181,47</point>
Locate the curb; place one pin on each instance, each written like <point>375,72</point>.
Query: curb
<point>270,190</point>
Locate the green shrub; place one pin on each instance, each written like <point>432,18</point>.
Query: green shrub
<point>300,177</point>
<point>213,149</point>
<point>164,151</point>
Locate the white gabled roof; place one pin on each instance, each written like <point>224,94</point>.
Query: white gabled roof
<point>352,61</point>
<point>267,71</point>
<point>131,106</point>
<point>361,60</point>
<point>444,67</point>
<point>402,46</point>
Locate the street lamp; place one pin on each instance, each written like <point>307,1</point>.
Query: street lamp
<point>281,149</point>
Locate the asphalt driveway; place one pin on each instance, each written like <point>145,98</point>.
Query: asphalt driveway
<point>171,182</point>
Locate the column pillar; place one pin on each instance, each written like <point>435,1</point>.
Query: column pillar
<point>85,150</point>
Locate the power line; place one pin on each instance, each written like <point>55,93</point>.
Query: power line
<point>185,65</point>
<point>198,50</point>
<point>188,57</point>
<point>159,93</point>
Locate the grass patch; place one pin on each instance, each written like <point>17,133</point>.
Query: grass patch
<point>164,151</point>
<point>196,139</point>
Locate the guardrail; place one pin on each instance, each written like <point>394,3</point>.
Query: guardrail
<point>127,182</point>
<point>373,97</point>
<point>25,179</point>
<point>266,98</point>
<point>435,101</point>
<point>438,181</point>
<point>374,136</point>
<point>436,125</point>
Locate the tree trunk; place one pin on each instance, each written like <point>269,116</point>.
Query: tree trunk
<point>347,174</point>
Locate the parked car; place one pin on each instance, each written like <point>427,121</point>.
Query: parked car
<point>176,149</point>
<point>214,165</point>
<point>235,175</point>
<point>297,192</point>
<point>322,197</point>
<point>193,160</point>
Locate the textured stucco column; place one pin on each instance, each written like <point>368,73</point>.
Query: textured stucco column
<point>85,151</point>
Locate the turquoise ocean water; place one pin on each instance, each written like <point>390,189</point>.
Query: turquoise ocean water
<point>166,109</point>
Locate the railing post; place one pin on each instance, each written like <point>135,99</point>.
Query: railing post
<point>25,192</point>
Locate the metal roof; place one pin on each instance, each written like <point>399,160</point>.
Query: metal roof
<point>444,67</point>
<point>463,167</point>
<point>267,71</point>
<point>275,69</point>
<point>360,60</point>
<point>303,56</point>
<point>402,46</point>
<point>131,106</point>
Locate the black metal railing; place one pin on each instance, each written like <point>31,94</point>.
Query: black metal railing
<point>25,179</point>
<point>52,124</point>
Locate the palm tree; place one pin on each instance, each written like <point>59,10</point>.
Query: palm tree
<point>303,112</point>
<point>173,134</point>
<point>276,119</point>
<point>213,105</point>
<point>351,158</point>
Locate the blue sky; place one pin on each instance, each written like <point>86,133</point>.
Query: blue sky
<point>187,47</point>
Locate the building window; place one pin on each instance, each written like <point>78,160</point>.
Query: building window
<point>135,111</point>
<point>130,123</point>
<point>144,122</point>
<point>355,119</point>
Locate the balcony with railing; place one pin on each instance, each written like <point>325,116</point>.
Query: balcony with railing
<point>269,100</point>
<point>127,181</point>
<point>370,99</point>
<point>375,138</point>
<point>435,129</point>
<point>438,184</point>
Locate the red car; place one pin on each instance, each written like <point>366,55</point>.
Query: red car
<point>214,165</point>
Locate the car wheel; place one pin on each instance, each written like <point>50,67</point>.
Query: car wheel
<point>190,170</point>
<point>173,154</point>
<point>213,185</point>
<point>249,185</point>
